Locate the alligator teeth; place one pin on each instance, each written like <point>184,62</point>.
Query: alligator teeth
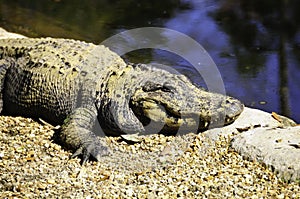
<point>230,119</point>
<point>205,124</point>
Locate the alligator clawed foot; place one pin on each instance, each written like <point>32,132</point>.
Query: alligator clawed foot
<point>94,149</point>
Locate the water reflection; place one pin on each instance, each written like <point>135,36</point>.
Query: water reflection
<point>256,55</point>
<point>263,26</point>
<point>89,20</point>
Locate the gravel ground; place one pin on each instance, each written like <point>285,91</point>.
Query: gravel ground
<point>33,166</point>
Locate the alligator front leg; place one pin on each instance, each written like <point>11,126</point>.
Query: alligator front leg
<point>4,65</point>
<point>76,134</point>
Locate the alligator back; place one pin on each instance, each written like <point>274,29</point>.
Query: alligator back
<point>45,77</point>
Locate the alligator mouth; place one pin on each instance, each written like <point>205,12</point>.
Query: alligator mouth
<point>155,117</point>
<point>160,118</point>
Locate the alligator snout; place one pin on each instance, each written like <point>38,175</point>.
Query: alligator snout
<point>233,108</point>
<point>184,106</point>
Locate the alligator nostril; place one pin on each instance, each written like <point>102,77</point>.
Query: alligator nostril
<point>229,100</point>
<point>233,109</point>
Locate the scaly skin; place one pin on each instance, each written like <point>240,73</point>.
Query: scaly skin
<point>72,83</point>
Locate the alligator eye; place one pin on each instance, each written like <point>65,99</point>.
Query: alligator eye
<point>166,89</point>
<point>152,87</point>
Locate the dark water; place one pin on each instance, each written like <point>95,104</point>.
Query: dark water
<point>255,44</point>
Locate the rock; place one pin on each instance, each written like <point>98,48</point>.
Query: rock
<point>278,149</point>
<point>269,138</point>
<point>250,118</point>
<point>4,34</point>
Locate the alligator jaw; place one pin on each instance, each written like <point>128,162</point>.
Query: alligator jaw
<point>200,112</point>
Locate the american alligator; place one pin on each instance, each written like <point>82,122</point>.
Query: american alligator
<point>74,83</point>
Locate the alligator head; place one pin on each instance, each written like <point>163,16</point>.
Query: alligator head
<point>144,98</point>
